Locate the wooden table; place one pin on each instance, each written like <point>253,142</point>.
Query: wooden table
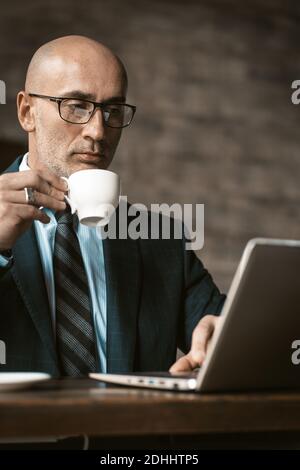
<point>77,407</point>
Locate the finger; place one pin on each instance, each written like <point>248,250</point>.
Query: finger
<point>184,364</point>
<point>55,181</point>
<point>19,197</point>
<point>28,212</point>
<point>201,336</point>
<point>200,339</point>
<point>30,179</point>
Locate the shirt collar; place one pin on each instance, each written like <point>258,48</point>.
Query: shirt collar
<point>24,163</point>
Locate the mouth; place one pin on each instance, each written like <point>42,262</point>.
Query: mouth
<point>90,157</point>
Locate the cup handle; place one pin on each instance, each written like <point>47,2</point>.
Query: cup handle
<point>68,199</point>
<point>120,193</point>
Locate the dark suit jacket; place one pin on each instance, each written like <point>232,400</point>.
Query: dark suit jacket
<point>156,294</point>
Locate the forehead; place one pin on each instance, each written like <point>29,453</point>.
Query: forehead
<point>97,76</point>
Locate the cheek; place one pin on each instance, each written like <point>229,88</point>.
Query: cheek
<point>56,134</point>
<point>114,137</point>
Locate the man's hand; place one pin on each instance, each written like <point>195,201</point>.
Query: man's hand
<point>202,334</point>
<point>15,214</point>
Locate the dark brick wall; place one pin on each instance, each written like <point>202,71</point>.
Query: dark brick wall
<point>215,123</point>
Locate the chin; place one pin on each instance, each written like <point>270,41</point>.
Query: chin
<point>87,166</point>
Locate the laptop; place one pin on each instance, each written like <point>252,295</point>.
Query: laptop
<point>253,344</point>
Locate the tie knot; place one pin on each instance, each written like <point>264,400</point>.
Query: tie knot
<point>64,217</point>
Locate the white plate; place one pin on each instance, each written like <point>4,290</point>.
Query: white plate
<point>19,380</point>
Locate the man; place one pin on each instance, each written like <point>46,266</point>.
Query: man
<point>70,302</point>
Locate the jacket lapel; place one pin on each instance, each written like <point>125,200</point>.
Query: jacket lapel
<point>29,278</point>
<point>123,279</point>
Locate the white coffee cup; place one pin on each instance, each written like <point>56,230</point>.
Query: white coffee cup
<point>94,195</point>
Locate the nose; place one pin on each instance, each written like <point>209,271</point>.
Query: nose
<point>95,128</point>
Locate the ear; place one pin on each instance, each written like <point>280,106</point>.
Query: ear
<point>25,112</point>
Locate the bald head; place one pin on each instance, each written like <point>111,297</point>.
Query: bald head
<point>70,53</point>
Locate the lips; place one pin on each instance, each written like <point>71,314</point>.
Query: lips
<point>90,156</point>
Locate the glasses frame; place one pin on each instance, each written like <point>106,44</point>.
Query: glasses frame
<point>59,100</point>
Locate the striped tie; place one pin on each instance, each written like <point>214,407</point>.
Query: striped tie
<point>74,329</point>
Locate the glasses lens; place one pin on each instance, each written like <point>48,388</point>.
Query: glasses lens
<point>76,111</point>
<point>117,115</point>
<point>79,112</point>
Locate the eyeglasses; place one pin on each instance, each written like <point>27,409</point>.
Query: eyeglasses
<point>79,111</point>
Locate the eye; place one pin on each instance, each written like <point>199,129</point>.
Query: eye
<point>77,105</point>
<point>114,110</point>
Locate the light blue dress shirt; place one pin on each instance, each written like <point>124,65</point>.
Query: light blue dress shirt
<point>92,253</point>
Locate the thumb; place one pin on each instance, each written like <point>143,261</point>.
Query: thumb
<point>187,363</point>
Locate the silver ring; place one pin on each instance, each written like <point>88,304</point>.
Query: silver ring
<point>29,195</point>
